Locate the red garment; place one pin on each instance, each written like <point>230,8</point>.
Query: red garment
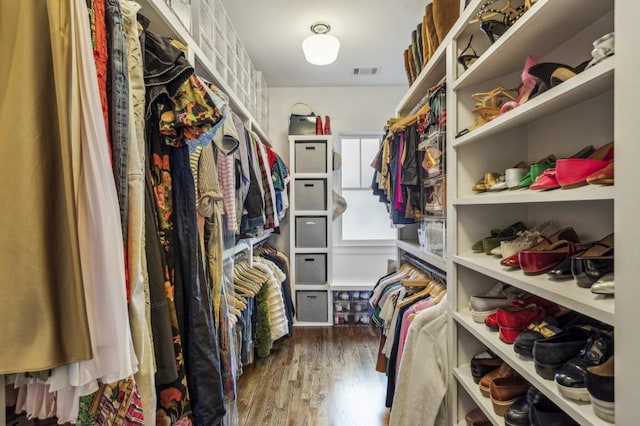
<point>101,56</point>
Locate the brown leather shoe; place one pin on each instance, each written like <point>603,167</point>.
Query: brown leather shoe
<point>503,371</point>
<point>505,391</point>
<point>477,418</point>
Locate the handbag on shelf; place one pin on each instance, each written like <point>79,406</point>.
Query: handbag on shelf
<point>302,124</point>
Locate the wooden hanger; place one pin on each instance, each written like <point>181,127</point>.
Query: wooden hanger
<point>415,297</point>
<point>415,282</point>
<point>411,119</point>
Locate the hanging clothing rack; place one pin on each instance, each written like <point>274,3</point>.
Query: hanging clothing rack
<point>425,267</point>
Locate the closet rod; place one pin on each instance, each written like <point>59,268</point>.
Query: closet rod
<point>425,267</point>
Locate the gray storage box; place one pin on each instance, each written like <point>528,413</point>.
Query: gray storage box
<point>311,231</point>
<point>310,157</point>
<point>311,269</point>
<point>310,194</point>
<point>311,306</point>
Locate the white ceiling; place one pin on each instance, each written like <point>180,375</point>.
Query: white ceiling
<point>372,33</point>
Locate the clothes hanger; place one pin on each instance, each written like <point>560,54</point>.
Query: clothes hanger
<point>440,296</point>
<point>415,297</point>
<point>416,282</point>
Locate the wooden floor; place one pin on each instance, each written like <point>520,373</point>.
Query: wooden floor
<point>320,376</point>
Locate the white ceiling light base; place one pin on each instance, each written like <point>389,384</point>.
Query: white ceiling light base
<point>320,48</point>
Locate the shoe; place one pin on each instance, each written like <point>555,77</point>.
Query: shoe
<point>319,129</point>
<point>543,329</point>
<point>546,413</point>
<point>507,234</point>
<point>571,377</point>
<point>602,49</point>
<point>527,88</point>
<point>536,169</point>
<point>327,125</point>
<point>525,240</point>
<point>514,175</point>
<point>477,417</point>
<point>496,236</point>
<point>518,413</point>
<point>546,181</point>
<point>483,363</point>
<point>605,285</point>
<point>535,262</point>
<point>466,59</point>
<point>483,305</point>
<point>488,180</point>
<point>445,14</point>
<point>600,381</point>
<point>432,35</point>
<point>549,355</point>
<point>552,74</point>
<point>513,320</point>
<point>562,271</point>
<point>500,185</point>
<point>603,176</point>
<point>503,371</point>
<point>567,234</point>
<point>596,261</point>
<point>487,107</point>
<point>492,322</point>
<point>504,391</point>
<point>573,172</point>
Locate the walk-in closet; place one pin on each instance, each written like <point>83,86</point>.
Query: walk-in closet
<point>387,213</point>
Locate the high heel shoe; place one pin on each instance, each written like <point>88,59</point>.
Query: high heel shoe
<point>527,88</point>
<point>488,105</point>
<point>552,74</point>
<point>465,59</point>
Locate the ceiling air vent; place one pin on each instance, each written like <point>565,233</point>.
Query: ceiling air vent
<point>366,71</point>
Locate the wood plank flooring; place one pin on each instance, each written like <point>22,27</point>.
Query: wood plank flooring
<point>322,376</point>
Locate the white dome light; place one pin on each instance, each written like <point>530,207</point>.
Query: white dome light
<point>320,48</point>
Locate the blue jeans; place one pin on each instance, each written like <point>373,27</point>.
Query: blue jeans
<point>118,90</point>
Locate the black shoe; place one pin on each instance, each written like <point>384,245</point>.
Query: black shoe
<point>599,381</point>
<point>570,378</point>
<point>518,413</point>
<point>551,354</point>
<point>546,413</point>
<point>483,363</point>
<point>543,329</point>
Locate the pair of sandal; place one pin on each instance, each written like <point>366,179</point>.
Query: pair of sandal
<point>488,106</point>
<point>492,181</point>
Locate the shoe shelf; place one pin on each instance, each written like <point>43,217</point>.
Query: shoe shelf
<point>462,373</point>
<point>581,412</point>
<point>588,84</point>
<point>537,32</point>
<point>565,293</point>
<point>585,193</point>
<point>413,247</point>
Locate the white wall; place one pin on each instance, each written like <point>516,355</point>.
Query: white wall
<point>351,109</point>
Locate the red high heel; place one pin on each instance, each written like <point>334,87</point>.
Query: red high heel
<point>327,125</point>
<point>318,125</point>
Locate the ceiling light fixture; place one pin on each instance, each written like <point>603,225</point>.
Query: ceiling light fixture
<point>320,48</point>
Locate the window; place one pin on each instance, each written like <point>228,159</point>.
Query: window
<point>366,220</point>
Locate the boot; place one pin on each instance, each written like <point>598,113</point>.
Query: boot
<point>432,35</point>
<point>327,125</point>
<point>407,68</point>
<point>318,125</point>
<point>426,48</point>
<point>445,14</point>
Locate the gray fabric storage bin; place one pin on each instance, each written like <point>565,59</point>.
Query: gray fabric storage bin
<point>311,232</point>
<point>310,194</point>
<point>311,269</point>
<point>310,157</point>
<point>311,306</point>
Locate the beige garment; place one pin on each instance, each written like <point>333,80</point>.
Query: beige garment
<point>139,298</point>
<point>42,308</point>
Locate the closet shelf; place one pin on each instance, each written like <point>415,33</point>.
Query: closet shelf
<point>165,22</point>
<point>246,244</point>
<point>585,193</point>
<point>463,374</point>
<point>566,293</point>
<point>309,250</point>
<point>581,412</point>
<point>311,287</point>
<point>413,247</point>
<point>434,71</point>
<point>586,85</point>
<point>312,213</point>
<point>537,32</point>
<point>309,175</point>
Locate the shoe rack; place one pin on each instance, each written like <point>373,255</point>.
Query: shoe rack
<point>561,121</point>
<point>591,108</point>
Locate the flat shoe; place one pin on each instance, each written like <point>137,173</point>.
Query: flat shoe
<point>564,234</point>
<point>603,176</point>
<point>534,262</point>
<point>547,180</point>
<point>605,285</point>
<point>595,262</point>
<point>573,172</point>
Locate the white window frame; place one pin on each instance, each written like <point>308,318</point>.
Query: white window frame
<point>337,186</point>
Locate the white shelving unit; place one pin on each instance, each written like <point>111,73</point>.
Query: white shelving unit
<point>591,108</point>
<point>311,184</point>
